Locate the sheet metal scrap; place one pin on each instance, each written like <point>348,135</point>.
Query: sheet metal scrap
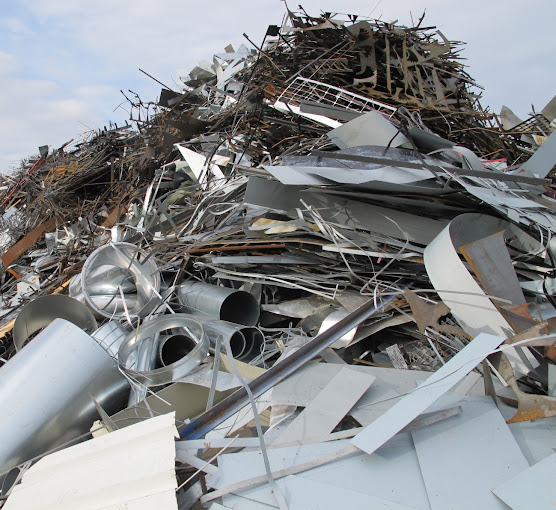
<point>310,178</point>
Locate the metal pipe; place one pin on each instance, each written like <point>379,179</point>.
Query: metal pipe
<point>145,361</point>
<point>239,399</point>
<point>48,389</point>
<point>254,340</point>
<point>220,303</point>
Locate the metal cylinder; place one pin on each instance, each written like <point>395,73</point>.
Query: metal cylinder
<point>245,341</point>
<point>180,324</point>
<point>40,312</point>
<point>122,266</point>
<point>46,390</point>
<point>220,303</point>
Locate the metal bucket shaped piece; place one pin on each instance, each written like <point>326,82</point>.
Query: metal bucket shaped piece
<point>220,303</point>
<point>40,312</point>
<point>120,265</point>
<point>180,325</point>
<point>46,392</point>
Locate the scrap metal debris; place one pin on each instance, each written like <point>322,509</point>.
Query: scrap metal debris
<point>321,257</point>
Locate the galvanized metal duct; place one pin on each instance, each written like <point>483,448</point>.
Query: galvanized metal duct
<point>47,392</point>
<point>179,324</point>
<point>219,302</point>
<point>40,312</point>
<point>120,268</point>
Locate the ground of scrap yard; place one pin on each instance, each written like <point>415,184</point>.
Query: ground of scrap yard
<point>319,275</point>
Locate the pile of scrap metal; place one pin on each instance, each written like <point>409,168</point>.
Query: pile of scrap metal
<point>319,263</point>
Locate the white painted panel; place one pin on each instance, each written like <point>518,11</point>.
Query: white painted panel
<point>464,457</point>
<point>533,488</point>
<point>397,417</point>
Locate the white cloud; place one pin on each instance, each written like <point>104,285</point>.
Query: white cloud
<point>95,91</point>
<point>8,63</point>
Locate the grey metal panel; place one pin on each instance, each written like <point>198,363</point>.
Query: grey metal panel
<point>398,224</point>
<point>329,407</point>
<point>537,439</point>
<point>392,475</point>
<point>372,128</point>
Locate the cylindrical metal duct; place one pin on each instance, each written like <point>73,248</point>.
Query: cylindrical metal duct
<point>40,312</point>
<point>122,265</point>
<point>179,324</point>
<point>245,341</point>
<point>110,336</point>
<point>46,390</point>
<point>221,303</point>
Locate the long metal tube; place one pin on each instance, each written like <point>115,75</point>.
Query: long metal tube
<point>46,391</point>
<point>222,303</point>
<point>239,399</point>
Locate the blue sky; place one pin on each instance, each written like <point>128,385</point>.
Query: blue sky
<point>63,62</point>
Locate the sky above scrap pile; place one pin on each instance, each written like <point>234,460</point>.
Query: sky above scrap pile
<point>63,63</point>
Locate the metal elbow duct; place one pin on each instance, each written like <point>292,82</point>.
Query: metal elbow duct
<point>220,303</point>
<point>47,392</point>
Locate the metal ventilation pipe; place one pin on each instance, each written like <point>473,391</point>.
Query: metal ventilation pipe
<point>220,303</point>
<point>110,336</point>
<point>172,348</point>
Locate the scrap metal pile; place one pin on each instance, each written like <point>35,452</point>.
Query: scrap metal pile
<point>321,260</point>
